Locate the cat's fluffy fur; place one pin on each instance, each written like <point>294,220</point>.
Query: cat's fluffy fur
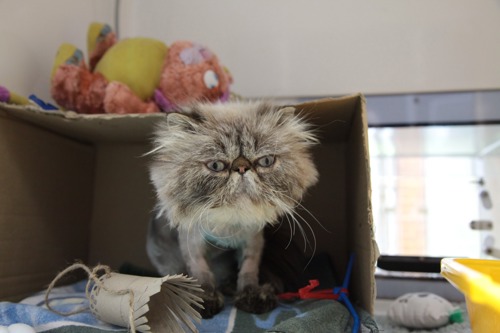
<point>222,172</point>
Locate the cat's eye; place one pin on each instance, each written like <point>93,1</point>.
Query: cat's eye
<point>266,161</point>
<point>216,166</point>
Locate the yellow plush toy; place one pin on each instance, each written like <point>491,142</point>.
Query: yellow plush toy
<point>136,75</point>
<point>8,96</point>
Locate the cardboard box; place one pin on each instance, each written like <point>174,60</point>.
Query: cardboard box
<point>76,187</point>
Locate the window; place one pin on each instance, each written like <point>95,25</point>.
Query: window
<point>431,180</point>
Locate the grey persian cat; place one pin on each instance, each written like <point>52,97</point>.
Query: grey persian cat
<point>222,172</point>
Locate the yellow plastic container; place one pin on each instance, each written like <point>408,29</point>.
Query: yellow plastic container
<point>479,281</point>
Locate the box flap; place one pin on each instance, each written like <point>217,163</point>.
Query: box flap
<point>137,128</point>
<point>332,116</point>
<point>87,128</point>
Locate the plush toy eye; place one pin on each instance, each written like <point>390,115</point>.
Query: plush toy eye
<point>266,161</point>
<point>216,166</point>
<point>211,79</point>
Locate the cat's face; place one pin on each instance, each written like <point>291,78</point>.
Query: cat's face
<point>237,165</point>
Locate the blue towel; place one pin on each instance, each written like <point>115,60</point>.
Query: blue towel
<point>32,311</point>
<point>297,316</point>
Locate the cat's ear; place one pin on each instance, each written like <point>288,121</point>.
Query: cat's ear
<point>182,121</point>
<point>288,111</point>
<point>284,112</point>
<point>291,116</point>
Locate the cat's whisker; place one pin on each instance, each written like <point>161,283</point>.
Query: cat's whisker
<point>301,206</point>
<point>302,231</point>
<point>203,226</point>
<point>214,230</point>
<point>280,224</point>
<point>293,224</point>
<point>291,235</point>
<point>189,229</point>
<point>314,217</point>
<point>296,220</point>
<point>292,214</point>
<point>194,222</point>
<point>208,230</point>
<point>308,226</point>
<point>289,213</point>
<point>204,233</point>
<point>205,230</point>
<point>313,247</point>
<point>153,151</point>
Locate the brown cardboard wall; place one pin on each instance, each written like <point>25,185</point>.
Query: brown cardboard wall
<point>331,235</point>
<point>45,204</point>
<point>360,220</point>
<point>123,201</point>
<point>342,199</point>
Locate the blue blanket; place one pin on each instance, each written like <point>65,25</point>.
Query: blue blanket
<point>298,316</point>
<point>32,311</point>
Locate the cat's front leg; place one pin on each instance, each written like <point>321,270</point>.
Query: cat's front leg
<point>252,297</point>
<point>193,249</point>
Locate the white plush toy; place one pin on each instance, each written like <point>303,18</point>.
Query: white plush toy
<point>17,328</point>
<point>423,310</point>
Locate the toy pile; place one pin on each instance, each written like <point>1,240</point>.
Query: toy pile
<point>135,75</point>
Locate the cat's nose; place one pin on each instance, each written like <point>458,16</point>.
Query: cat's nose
<point>241,165</point>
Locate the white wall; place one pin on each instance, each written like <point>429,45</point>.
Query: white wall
<point>327,47</point>
<point>280,48</point>
<point>32,31</point>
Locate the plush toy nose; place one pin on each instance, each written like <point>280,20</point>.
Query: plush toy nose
<point>241,165</point>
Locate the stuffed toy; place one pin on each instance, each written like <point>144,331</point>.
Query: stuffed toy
<point>8,96</point>
<point>135,75</point>
<point>423,311</point>
<point>17,328</point>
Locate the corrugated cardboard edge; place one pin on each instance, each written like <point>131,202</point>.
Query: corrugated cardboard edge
<point>321,109</point>
<point>375,253</point>
<point>87,128</point>
<point>126,128</point>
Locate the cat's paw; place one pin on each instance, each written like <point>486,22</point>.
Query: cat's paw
<point>213,302</point>
<point>256,299</point>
